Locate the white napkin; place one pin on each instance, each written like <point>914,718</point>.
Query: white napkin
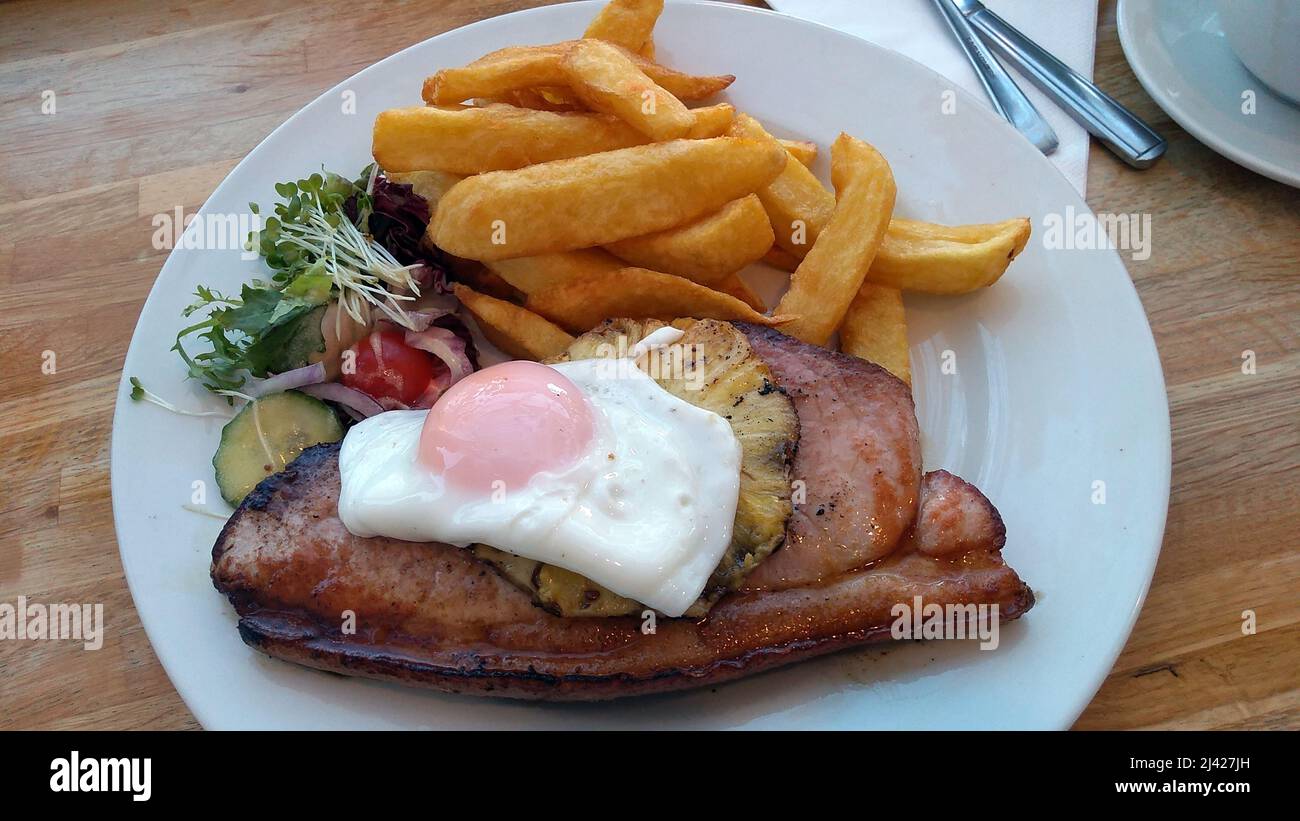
<point>1066,28</point>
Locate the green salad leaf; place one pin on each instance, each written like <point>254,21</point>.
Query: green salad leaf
<point>318,248</point>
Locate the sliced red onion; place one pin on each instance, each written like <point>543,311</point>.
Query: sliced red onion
<point>423,276</point>
<point>430,307</point>
<point>446,303</point>
<point>354,401</point>
<point>296,378</point>
<point>421,320</point>
<point>447,346</point>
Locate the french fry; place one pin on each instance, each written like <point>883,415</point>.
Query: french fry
<point>605,79</point>
<point>581,302</point>
<point>490,138</point>
<point>805,151</point>
<point>543,98</point>
<point>707,250</point>
<point>914,256</point>
<point>532,274</point>
<point>501,137</point>
<point>875,329</point>
<point>711,121</point>
<point>628,23</point>
<point>517,331</point>
<point>781,259</point>
<point>797,204</point>
<point>519,67</point>
<point>940,259</point>
<point>834,269</point>
<point>428,184</point>
<point>648,50</point>
<point>598,199</point>
<point>739,288</point>
<point>483,279</point>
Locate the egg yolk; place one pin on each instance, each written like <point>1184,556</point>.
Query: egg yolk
<point>497,428</point>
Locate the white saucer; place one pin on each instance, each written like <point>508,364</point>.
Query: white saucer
<point>1179,54</point>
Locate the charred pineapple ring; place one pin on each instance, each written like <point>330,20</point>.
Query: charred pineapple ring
<point>716,370</point>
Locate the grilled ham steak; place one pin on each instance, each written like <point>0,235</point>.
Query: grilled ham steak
<point>871,533</point>
<point>859,458</point>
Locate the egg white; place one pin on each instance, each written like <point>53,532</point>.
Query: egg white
<point>647,511</point>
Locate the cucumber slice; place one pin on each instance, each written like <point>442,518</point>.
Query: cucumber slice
<point>305,340</point>
<point>268,434</point>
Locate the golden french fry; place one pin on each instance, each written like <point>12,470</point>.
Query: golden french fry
<point>491,138</point>
<point>875,329</point>
<point>805,151</point>
<point>648,50</point>
<point>428,184</point>
<point>544,98</point>
<point>778,257</point>
<point>499,137</point>
<point>940,259</point>
<point>519,67</point>
<point>711,121</point>
<point>598,199</point>
<point>707,250</point>
<point>797,204</point>
<point>914,256</point>
<point>532,274</point>
<point>516,331</point>
<point>605,79</point>
<point>496,75</point>
<point>628,23</point>
<point>739,288</point>
<point>834,269</point>
<point>483,279</point>
<point>582,301</point>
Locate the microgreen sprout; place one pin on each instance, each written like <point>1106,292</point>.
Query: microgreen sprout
<point>140,393</point>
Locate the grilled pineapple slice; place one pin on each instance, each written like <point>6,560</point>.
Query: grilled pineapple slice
<point>719,372</point>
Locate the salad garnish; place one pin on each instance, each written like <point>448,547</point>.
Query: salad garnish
<point>354,243</point>
<point>355,318</point>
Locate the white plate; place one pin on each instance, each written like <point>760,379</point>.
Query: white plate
<point>918,30</point>
<point>1058,386</point>
<point>1179,54</point>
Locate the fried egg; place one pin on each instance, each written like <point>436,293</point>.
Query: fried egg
<point>594,469</point>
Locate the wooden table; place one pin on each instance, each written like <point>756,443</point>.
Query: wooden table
<point>156,102</point>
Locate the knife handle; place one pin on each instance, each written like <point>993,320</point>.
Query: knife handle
<point>1008,99</point>
<point>1119,129</point>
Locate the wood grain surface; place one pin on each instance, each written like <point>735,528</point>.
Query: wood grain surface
<point>156,102</point>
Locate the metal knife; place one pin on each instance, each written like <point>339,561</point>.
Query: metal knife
<point>1119,129</point>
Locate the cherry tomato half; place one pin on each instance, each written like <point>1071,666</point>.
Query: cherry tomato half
<point>387,368</point>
